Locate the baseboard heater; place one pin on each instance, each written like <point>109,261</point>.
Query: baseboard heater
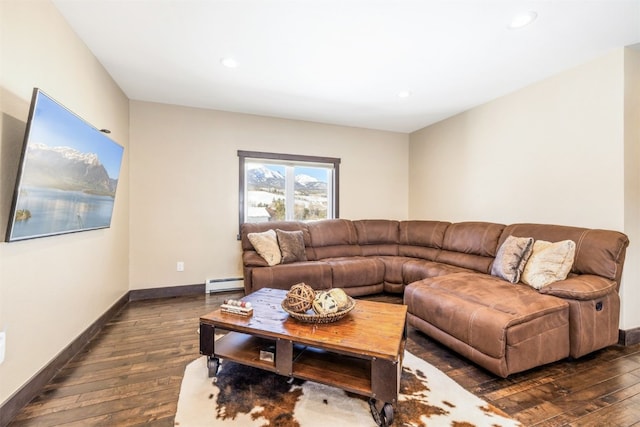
<point>223,285</point>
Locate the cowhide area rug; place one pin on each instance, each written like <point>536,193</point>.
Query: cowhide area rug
<point>245,396</point>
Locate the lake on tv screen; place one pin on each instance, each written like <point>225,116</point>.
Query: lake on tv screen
<point>58,211</point>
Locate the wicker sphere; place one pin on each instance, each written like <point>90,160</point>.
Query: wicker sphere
<point>300,298</point>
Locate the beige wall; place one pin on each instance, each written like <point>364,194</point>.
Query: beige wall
<point>184,183</point>
<point>553,152</point>
<point>631,290</point>
<point>52,289</point>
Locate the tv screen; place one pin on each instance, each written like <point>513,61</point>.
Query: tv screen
<point>67,177</point>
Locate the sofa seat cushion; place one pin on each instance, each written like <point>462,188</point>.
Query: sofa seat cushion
<point>356,271</point>
<point>418,269</point>
<point>314,273</point>
<point>486,312</point>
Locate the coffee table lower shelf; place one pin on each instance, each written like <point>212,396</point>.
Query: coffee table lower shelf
<point>359,374</point>
<point>347,372</point>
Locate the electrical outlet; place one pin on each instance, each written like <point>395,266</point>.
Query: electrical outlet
<point>180,266</point>
<point>3,340</point>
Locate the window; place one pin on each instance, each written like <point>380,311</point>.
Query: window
<point>278,187</point>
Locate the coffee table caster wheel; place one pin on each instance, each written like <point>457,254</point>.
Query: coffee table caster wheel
<point>383,417</point>
<point>387,411</point>
<point>213,363</point>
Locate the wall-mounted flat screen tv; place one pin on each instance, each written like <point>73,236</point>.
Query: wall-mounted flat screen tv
<point>67,176</point>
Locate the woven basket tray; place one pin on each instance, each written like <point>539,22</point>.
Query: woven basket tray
<point>311,317</point>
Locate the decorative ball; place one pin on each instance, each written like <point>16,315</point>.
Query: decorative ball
<point>300,298</point>
<point>324,303</point>
<point>341,298</point>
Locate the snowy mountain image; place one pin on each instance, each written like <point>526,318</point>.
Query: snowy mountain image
<point>66,168</point>
<point>62,190</point>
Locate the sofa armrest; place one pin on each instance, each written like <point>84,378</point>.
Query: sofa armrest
<point>252,259</point>
<point>582,287</point>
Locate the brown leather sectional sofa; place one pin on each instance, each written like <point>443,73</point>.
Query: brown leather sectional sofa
<point>443,269</point>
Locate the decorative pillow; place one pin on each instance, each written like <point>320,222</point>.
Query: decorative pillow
<point>549,263</point>
<point>291,246</point>
<point>511,258</point>
<point>266,244</point>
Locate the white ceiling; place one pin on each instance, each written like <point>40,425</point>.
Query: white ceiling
<point>343,61</point>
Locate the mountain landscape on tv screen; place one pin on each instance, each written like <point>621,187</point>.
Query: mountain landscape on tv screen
<point>65,168</point>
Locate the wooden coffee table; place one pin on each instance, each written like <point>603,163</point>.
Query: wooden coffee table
<point>361,353</point>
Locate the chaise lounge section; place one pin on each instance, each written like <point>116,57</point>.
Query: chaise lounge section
<point>444,270</point>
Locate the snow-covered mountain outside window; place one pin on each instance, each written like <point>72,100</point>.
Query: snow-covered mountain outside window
<point>279,187</point>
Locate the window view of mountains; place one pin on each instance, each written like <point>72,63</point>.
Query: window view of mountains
<point>262,177</point>
<point>266,192</point>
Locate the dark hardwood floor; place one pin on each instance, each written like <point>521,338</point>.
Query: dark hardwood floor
<point>130,375</point>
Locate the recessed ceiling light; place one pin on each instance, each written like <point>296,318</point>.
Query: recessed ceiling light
<point>404,94</point>
<point>229,62</point>
<point>521,20</point>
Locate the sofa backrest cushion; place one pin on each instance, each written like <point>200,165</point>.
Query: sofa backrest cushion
<point>471,245</point>
<point>599,252</point>
<point>421,239</point>
<point>333,238</point>
<point>378,236</point>
<point>259,227</point>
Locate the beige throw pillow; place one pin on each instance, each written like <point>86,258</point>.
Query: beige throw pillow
<point>291,246</point>
<point>266,244</point>
<point>511,258</point>
<point>549,263</point>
